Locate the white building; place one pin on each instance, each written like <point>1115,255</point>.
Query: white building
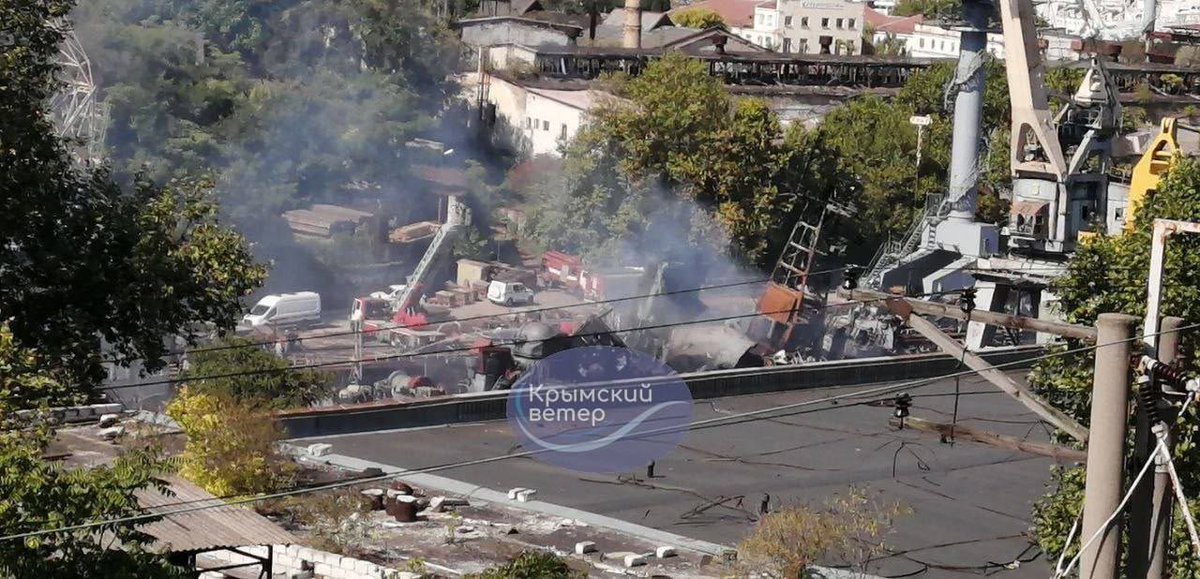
<point>822,26</point>
<point>933,41</point>
<point>552,117</point>
<point>757,21</point>
<point>885,27</point>
<point>536,120</point>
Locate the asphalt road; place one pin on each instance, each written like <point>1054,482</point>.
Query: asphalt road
<point>969,503</point>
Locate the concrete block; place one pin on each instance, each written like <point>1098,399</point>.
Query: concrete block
<point>526,495</point>
<point>439,503</point>
<point>365,567</point>
<point>512,493</point>
<point>86,412</point>
<point>323,569</point>
<point>664,552</point>
<point>107,420</point>
<point>110,408</point>
<point>585,547</point>
<point>319,449</point>
<point>111,433</point>
<point>634,560</point>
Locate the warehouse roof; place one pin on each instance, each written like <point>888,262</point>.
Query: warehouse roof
<point>208,522</point>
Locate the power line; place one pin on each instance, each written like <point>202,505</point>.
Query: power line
<point>482,316</point>
<point>408,355</point>
<point>727,420</point>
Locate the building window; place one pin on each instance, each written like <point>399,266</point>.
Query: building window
<point>825,23</point>
<point>787,21</point>
<point>787,45</point>
<point>563,133</point>
<point>849,47</point>
<point>760,19</point>
<point>850,24</point>
<point>839,23</point>
<point>528,122</point>
<point>545,125</point>
<point>921,42</point>
<point>803,22</point>
<point>803,46</point>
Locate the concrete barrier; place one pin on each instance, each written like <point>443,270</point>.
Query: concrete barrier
<point>482,406</point>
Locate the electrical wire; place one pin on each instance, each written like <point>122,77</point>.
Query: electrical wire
<point>1120,507</point>
<point>727,420</point>
<point>488,316</point>
<point>408,355</point>
<point>1180,497</point>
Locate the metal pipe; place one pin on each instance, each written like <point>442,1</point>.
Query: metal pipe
<point>968,112</point>
<point>1106,446</point>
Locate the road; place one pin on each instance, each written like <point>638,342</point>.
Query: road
<point>969,503</point>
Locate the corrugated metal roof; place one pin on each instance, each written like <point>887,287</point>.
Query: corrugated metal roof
<point>205,529</point>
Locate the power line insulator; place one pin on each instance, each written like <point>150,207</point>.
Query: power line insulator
<point>967,301</point>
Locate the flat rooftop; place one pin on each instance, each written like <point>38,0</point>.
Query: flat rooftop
<point>971,503</point>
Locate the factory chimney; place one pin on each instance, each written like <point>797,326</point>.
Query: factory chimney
<point>633,24</point>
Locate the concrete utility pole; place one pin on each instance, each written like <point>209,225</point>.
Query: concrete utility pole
<point>1106,446</point>
<point>633,24</point>
<point>1161,503</point>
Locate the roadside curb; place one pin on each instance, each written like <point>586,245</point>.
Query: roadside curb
<point>490,496</point>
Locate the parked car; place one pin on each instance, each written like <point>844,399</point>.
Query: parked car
<point>509,293</point>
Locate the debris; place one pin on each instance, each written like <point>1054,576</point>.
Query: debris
<point>585,547</point>
<point>525,495</point>
<point>634,560</point>
<point>512,493</point>
<point>664,552</point>
<point>319,449</point>
<point>108,420</point>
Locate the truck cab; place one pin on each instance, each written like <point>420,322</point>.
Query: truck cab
<point>509,293</point>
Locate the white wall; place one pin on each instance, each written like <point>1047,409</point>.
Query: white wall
<point>549,122</point>
<point>288,558</point>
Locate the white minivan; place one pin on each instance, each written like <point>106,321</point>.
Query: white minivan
<point>285,310</point>
<point>509,293</point>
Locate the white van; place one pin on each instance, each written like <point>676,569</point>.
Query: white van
<point>509,293</point>
<point>285,310</point>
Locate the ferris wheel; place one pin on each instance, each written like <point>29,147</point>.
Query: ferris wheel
<point>75,110</point>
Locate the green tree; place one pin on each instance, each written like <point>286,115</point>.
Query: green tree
<point>928,8</point>
<point>230,446</point>
<point>676,152</point>
<point>697,18</point>
<point>1108,275</point>
<point>42,495</point>
<point>532,565</point>
<point>85,259</point>
<point>251,375</point>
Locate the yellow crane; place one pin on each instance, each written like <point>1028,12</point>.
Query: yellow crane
<point>1158,158</point>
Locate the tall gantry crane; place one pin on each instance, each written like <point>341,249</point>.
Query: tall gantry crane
<point>75,110</point>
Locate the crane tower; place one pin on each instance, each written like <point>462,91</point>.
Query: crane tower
<point>74,109</point>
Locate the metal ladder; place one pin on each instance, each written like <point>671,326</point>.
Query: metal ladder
<point>936,210</point>
<point>798,254</point>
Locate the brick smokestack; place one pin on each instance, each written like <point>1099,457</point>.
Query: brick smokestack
<point>633,24</point>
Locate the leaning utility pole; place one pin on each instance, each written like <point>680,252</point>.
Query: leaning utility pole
<point>1106,447</point>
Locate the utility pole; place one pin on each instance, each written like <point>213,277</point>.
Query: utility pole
<point>1106,446</point>
<point>1161,503</point>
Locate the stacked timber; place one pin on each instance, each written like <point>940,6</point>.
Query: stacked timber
<point>325,221</point>
<point>414,232</point>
